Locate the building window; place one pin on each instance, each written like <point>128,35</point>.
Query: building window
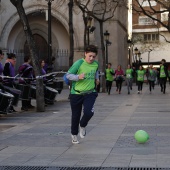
<point>144,20</point>
<point>151,37</point>
<point>146,3</point>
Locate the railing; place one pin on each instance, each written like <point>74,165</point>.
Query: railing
<point>62,59</point>
<point>61,55</point>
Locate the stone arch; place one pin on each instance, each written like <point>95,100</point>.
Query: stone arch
<point>31,9</point>
<point>20,38</point>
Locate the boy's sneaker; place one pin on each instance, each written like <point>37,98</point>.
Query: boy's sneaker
<point>82,132</point>
<point>74,139</point>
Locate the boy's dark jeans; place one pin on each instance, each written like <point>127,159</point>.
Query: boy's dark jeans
<point>78,102</point>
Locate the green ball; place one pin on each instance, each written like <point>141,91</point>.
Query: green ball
<point>141,136</point>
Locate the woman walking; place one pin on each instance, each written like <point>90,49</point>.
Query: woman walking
<point>151,77</point>
<point>119,78</point>
<point>140,78</point>
<point>129,78</point>
<point>109,77</point>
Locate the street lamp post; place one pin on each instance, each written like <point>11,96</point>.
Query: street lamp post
<point>136,51</point>
<point>106,35</point>
<point>136,54</point>
<point>90,28</point>
<point>49,31</point>
<point>139,56</point>
<point>129,49</point>
<point>149,56</point>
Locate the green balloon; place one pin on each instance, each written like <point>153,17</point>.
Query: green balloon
<point>141,136</point>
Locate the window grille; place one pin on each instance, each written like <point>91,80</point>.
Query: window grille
<point>151,37</point>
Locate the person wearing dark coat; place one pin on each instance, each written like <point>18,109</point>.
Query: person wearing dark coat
<point>1,67</point>
<point>26,73</point>
<point>9,70</point>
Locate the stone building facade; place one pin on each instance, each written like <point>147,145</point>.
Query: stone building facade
<point>12,37</point>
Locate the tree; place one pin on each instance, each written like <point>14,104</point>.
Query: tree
<point>157,10</point>
<point>32,47</point>
<point>59,4</point>
<point>71,31</point>
<point>101,11</point>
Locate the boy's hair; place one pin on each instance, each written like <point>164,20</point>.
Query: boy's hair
<point>1,52</point>
<point>91,48</point>
<point>163,60</point>
<point>11,55</point>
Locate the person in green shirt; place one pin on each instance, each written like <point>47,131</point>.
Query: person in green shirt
<point>140,78</point>
<point>84,76</point>
<point>169,76</point>
<point>109,77</point>
<point>163,75</point>
<point>129,77</point>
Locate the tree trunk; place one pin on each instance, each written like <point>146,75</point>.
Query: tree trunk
<point>32,47</point>
<point>85,30</point>
<point>71,32</point>
<point>103,57</point>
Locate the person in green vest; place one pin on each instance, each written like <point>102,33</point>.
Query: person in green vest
<point>109,77</point>
<point>84,76</point>
<point>169,76</point>
<point>151,77</point>
<point>129,77</point>
<point>140,78</point>
<point>163,75</point>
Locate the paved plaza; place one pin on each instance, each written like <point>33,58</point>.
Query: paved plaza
<point>43,139</point>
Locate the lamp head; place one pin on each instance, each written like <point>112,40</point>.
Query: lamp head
<point>106,35</point>
<point>89,19</point>
<point>136,50</point>
<point>92,29</point>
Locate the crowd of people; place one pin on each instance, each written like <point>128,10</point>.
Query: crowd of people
<point>18,83</point>
<point>153,76</point>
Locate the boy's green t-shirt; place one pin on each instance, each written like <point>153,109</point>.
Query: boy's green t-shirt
<point>109,76</point>
<point>140,75</point>
<point>88,83</point>
<point>129,73</point>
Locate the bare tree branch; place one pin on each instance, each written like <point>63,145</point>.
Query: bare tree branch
<point>151,11</point>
